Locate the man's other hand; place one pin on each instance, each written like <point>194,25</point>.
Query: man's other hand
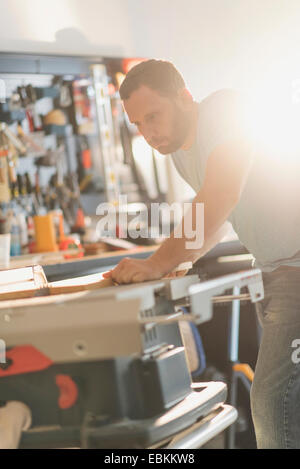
<point>134,270</point>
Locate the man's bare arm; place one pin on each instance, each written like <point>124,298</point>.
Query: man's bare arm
<point>227,170</point>
<point>207,246</point>
<point>213,240</point>
<point>226,174</point>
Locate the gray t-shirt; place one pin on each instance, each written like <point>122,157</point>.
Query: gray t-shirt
<point>267,216</point>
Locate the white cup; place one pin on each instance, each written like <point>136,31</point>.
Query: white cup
<point>4,250</point>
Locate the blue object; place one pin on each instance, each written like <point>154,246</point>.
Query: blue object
<point>15,244</point>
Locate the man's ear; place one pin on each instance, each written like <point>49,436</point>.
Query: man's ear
<point>185,97</point>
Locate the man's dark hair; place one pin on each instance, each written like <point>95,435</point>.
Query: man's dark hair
<point>159,75</point>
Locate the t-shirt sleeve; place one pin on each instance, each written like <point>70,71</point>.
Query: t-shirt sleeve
<point>226,119</point>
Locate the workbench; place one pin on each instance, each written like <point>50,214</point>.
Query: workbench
<point>212,264</point>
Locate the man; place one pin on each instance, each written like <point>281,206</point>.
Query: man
<point>241,182</point>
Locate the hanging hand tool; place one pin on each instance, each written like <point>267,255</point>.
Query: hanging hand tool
<point>16,142</point>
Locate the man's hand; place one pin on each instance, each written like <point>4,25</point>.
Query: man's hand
<point>134,271</point>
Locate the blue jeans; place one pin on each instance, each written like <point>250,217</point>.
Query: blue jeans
<point>275,393</point>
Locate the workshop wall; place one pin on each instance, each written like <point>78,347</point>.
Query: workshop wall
<point>92,27</point>
<point>250,45</point>
<point>222,43</point>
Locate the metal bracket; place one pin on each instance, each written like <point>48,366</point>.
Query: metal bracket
<point>201,295</point>
<point>172,288</point>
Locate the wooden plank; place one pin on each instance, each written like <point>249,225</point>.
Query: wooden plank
<point>61,289</point>
<point>15,275</point>
<point>22,283</point>
<point>40,287</point>
<point>31,281</point>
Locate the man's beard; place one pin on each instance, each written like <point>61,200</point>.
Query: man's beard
<point>181,125</point>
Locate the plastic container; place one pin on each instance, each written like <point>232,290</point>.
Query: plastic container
<point>45,233</point>
<point>15,241</point>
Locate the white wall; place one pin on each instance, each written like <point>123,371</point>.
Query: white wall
<point>96,27</point>
<point>248,44</point>
<point>214,43</point>
<point>222,43</point>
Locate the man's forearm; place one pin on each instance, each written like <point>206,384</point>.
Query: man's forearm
<point>172,252</point>
<point>212,241</point>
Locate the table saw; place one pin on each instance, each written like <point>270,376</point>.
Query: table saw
<point>106,368</point>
